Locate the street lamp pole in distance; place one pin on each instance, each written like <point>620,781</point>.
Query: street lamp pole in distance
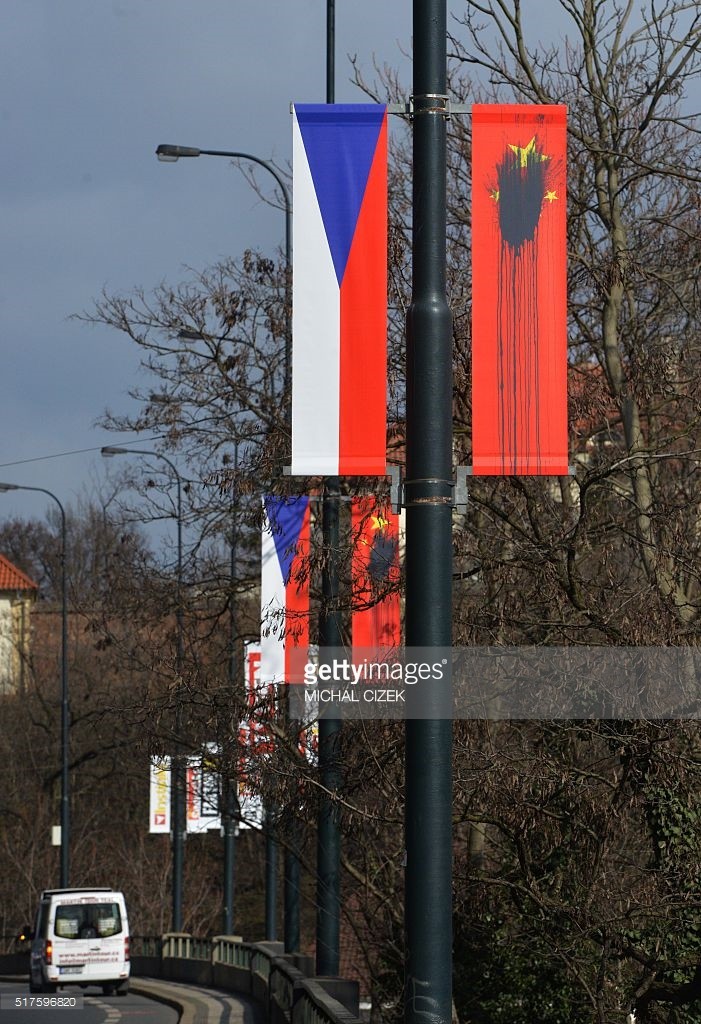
<point>178,773</point>
<point>65,707</point>
<point>170,154</point>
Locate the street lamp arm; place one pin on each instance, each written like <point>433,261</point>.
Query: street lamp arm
<point>170,154</point>
<point>41,490</point>
<point>109,450</point>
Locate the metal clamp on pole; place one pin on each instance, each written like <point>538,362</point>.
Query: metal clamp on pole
<point>458,488</point>
<point>396,491</point>
<point>431,103</point>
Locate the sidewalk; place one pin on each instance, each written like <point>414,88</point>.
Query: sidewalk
<point>199,1005</point>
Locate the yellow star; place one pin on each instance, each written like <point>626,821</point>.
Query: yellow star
<point>524,152</point>
<point>494,194</point>
<point>379,523</point>
<point>550,195</point>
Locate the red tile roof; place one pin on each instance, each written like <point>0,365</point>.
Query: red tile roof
<point>12,578</point>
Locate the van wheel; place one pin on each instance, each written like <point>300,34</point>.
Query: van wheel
<point>108,990</point>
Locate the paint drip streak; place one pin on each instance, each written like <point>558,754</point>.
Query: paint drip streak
<point>518,335</point>
<point>518,358</point>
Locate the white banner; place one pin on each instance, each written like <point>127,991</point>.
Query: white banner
<point>253,739</point>
<point>203,787</point>
<point>251,812</point>
<point>159,795</point>
<point>201,794</point>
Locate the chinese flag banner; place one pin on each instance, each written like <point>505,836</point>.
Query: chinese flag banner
<point>519,290</point>
<point>339,290</point>
<point>375,620</point>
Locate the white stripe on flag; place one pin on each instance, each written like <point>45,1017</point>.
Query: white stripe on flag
<point>315,330</point>
<point>272,611</point>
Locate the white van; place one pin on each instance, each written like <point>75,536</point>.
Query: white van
<point>81,937</point>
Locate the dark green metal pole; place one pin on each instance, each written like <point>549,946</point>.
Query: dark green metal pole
<point>328,853</point>
<point>291,890</point>
<point>65,715</point>
<point>178,773</point>
<point>230,803</point>
<point>270,877</point>
<point>428,497</point>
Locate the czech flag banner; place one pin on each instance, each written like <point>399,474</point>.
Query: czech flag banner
<point>284,595</point>
<point>339,290</point>
<point>519,290</point>
<point>375,619</point>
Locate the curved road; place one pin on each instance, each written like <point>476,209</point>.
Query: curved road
<point>97,1009</point>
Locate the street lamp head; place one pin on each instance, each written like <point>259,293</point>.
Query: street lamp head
<point>108,451</point>
<point>169,154</point>
<point>185,334</point>
<point>9,487</point>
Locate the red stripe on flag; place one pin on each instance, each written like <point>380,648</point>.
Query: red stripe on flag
<point>519,290</point>
<point>363,327</point>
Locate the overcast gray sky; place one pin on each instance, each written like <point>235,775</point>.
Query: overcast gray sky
<point>89,88</point>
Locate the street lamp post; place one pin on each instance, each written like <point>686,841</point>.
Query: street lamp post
<point>229,786</point>
<point>328,857</point>
<point>429,550</point>
<point>178,773</point>
<point>169,154</point>
<point>65,708</point>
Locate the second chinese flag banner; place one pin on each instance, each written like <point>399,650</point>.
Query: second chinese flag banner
<point>519,290</point>
<point>376,618</point>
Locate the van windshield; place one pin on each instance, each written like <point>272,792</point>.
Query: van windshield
<point>87,920</point>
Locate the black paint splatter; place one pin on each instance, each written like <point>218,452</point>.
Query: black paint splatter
<point>383,556</point>
<point>521,192</point>
<point>521,183</point>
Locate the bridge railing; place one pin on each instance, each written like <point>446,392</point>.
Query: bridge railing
<point>283,985</point>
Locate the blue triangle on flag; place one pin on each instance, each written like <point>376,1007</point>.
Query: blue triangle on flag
<point>340,142</point>
<point>285,517</point>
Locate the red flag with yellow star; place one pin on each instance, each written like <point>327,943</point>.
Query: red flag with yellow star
<point>519,290</point>
<point>375,620</point>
